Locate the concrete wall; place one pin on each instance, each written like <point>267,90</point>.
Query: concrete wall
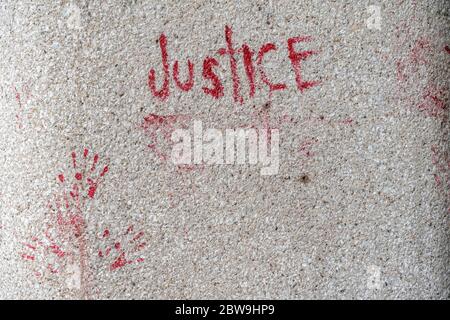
<point>93,206</point>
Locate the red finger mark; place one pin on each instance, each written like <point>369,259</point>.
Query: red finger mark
<point>92,188</point>
<point>140,246</point>
<point>94,164</point>
<point>120,262</point>
<point>30,246</point>
<point>57,250</point>
<point>105,170</point>
<point>28,257</point>
<point>130,229</point>
<point>51,269</point>
<point>74,159</point>
<point>139,235</point>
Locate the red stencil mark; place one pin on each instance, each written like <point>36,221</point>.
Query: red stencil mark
<point>124,249</point>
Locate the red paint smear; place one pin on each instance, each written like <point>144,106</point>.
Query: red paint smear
<point>347,121</point>
<point>447,48</point>
<point>154,119</point>
<point>157,127</point>
<point>433,103</point>
<point>61,177</point>
<point>305,148</point>
<point>78,176</point>
<point>117,245</point>
<point>18,115</point>
<point>437,179</point>
<point>106,233</point>
<point>420,51</point>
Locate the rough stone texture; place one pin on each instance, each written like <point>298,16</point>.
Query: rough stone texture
<point>359,208</point>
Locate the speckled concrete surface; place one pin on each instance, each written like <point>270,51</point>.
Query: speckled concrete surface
<point>359,208</point>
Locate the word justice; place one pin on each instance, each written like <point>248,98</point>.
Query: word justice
<point>252,63</point>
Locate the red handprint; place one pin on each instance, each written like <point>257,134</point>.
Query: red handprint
<point>119,250</point>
